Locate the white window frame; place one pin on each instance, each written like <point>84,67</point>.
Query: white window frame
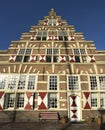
<point>94,100</point>
<point>20,100</point>
<point>52,86</point>
<point>3,81</point>
<point>52,101</point>
<point>77,85</point>
<point>102,100</point>
<point>10,100</point>
<point>100,79</point>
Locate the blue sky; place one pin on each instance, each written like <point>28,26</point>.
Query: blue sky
<point>87,16</point>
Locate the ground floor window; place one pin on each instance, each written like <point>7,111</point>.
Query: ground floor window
<point>94,99</point>
<point>52,100</point>
<point>11,98</point>
<point>98,100</point>
<point>20,100</point>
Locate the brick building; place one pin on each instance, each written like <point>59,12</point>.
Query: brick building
<point>52,68</point>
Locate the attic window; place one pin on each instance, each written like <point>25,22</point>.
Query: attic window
<point>52,22</point>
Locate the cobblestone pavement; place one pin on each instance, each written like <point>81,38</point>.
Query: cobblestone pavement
<point>50,126</point>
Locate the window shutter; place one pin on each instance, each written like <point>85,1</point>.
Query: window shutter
<point>32,58</point>
<point>42,58</point>
<point>12,58</point>
<point>1,100</point>
<point>62,58</point>
<point>42,100</point>
<point>91,58</point>
<point>33,38</point>
<point>72,58</point>
<point>86,99</point>
<point>28,102</point>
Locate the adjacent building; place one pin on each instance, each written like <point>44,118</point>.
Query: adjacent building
<point>52,68</point>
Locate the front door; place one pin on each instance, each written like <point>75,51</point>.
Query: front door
<point>74,107</point>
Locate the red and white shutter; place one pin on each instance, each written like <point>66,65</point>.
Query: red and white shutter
<point>32,58</point>
<point>62,58</point>
<point>1,100</point>
<point>72,58</point>
<point>28,103</point>
<point>71,38</point>
<point>42,58</point>
<point>91,58</point>
<point>46,22</point>
<point>49,38</point>
<point>58,23</point>
<point>42,100</point>
<point>12,58</point>
<point>86,99</point>
<point>33,38</point>
<point>55,37</point>
<point>74,107</point>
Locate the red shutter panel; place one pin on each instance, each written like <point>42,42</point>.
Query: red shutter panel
<point>42,100</point>
<point>91,58</point>
<point>46,22</point>
<point>86,99</point>
<point>71,38</point>
<point>12,58</point>
<point>1,100</point>
<point>71,58</point>
<point>28,101</point>
<point>33,38</point>
<point>62,58</point>
<point>42,58</point>
<point>32,58</point>
<point>73,106</point>
<point>49,38</point>
<point>55,37</point>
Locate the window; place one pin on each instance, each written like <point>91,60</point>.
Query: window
<point>48,58</point>
<point>73,82</point>
<point>55,51</point>
<point>84,59</point>
<point>21,51</point>
<point>52,55</point>
<point>55,59</point>
<point>3,79</point>
<point>20,100</point>
<point>77,59</point>
<point>28,51</point>
<point>102,100</point>
<point>26,58</point>
<point>80,55</point>
<point>53,83</point>
<point>93,83</point>
<point>31,82</point>
<point>41,35</point>
<point>62,34</point>
<point>82,51</point>
<point>19,58</point>
<point>94,100</point>
<point>11,98</point>
<point>22,82</point>
<point>12,81</point>
<point>52,51</point>
<point>102,82</point>
<point>52,100</point>
<point>52,22</point>
<point>49,51</point>
<point>76,51</point>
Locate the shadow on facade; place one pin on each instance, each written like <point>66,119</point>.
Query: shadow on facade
<point>102,123</point>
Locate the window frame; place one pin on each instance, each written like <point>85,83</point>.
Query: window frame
<point>53,82</point>
<point>77,85</point>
